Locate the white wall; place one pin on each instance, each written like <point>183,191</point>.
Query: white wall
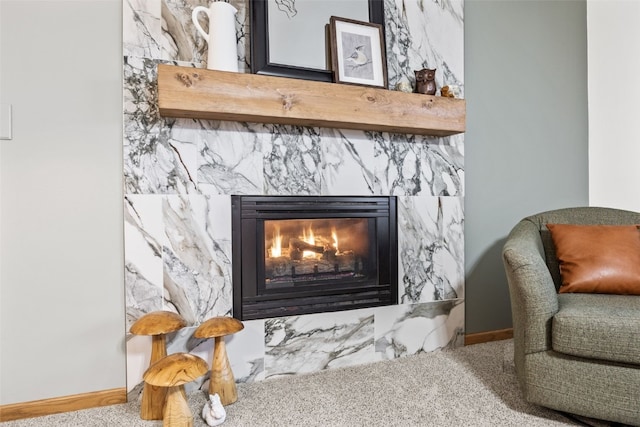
<point>614,115</point>
<point>62,318</point>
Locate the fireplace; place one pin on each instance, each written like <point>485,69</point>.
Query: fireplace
<point>305,254</point>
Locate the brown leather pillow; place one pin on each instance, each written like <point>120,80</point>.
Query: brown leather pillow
<point>602,259</point>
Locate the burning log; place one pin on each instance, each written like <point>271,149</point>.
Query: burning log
<point>284,268</point>
<point>304,246</point>
<point>297,248</point>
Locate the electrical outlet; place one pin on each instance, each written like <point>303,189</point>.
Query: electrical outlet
<point>5,121</point>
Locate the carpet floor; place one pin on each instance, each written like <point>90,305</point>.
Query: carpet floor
<point>470,386</point>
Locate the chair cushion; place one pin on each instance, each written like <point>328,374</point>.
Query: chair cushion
<point>598,258</point>
<point>598,326</point>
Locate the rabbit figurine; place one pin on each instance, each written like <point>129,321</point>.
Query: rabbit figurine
<point>213,412</point>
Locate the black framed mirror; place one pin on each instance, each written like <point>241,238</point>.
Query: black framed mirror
<point>289,37</point>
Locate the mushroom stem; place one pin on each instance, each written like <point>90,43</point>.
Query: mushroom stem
<point>153,397</point>
<point>221,378</point>
<point>158,348</point>
<point>177,412</point>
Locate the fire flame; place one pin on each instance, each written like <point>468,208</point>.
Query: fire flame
<point>308,236</point>
<point>310,239</point>
<point>276,246</point>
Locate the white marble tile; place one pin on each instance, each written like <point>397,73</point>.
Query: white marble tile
<point>179,39</point>
<point>138,358</point>
<point>347,159</point>
<point>143,239</point>
<point>412,165</point>
<point>292,160</point>
<point>398,166</point>
<point>242,34</point>
<point>443,158</point>
<point>141,28</point>
<point>451,256</point>
<point>315,342</point>
<point>404,330</point>
<point>157,158</point>
<point>231,158</point>
<point>430,242</point>
<point>246,350</point>
<point>197,260</point>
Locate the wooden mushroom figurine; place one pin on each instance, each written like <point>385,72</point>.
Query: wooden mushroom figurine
<point>221,380</point>
<point>157,324</point>
<point>173,372</point>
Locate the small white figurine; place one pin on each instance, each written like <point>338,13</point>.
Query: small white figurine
<point>213,412</point>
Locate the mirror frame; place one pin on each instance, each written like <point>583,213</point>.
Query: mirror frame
<point>259,39</point>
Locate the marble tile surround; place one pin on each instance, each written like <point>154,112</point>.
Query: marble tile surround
<point>179,175</point>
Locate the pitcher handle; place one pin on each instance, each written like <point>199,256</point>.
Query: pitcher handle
<point>194,18</point>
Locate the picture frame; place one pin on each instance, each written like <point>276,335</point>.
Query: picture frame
<point>358,52</point>
<point>264,44</point>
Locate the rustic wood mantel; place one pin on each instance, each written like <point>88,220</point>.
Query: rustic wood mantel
<point>219,95</point>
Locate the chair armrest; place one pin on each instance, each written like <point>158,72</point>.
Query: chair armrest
<point>534,298</point>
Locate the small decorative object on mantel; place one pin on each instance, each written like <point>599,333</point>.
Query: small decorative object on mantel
<point>213,412</point>
<point>455,90</point>
<point>404,86</point>
<point>447,92</point>
<point>357,52</point>
<point>222,53</point>
<point>426,81</point>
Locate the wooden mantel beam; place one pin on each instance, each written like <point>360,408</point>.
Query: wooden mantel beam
<point>219,95</point>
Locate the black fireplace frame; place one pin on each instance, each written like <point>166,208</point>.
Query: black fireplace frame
<point>252,301</point>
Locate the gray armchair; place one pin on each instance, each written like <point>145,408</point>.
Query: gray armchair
<point>578,353</point>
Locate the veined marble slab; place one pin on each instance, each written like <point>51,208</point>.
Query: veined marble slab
<point>347,166</point>
<point>431,248</point>
<point>141,28</point>
<point>157,158</point>
<point>197,260</point>
<point>315,342</point>
<point>292,162</point>
<point>408,329</point>
<point>246,351</point>
<point>231,158</point>
<point>143,239</point>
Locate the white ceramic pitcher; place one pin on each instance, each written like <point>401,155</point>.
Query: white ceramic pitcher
<point>223,47</point>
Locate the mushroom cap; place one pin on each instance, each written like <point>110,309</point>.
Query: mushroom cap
<point>218,327</point>
<point>157,323</point>
<point>175,369</point>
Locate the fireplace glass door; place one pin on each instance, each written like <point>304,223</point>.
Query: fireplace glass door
<point>318,251</point>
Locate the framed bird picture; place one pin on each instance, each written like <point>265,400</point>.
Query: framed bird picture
<point>357,52</point>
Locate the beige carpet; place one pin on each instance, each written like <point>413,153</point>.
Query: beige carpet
<point>470,386</point>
